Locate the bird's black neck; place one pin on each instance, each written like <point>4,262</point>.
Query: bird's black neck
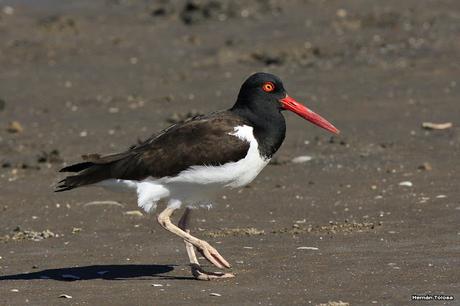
<point>268,124</point>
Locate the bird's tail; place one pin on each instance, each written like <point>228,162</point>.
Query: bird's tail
<point>93,170</point>
<point>90,174</point>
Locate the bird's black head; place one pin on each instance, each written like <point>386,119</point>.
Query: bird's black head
<point>261,92</point>
<point>262,97</point>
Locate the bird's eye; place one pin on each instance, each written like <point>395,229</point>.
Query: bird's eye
<point>268,87</point>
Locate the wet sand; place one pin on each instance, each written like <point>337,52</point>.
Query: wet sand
<point>371,219</point>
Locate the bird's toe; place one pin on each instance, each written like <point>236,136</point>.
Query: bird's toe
<point>201,274</point>
<point>212,255</point>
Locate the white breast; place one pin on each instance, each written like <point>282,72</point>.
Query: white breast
<point>233,174</point>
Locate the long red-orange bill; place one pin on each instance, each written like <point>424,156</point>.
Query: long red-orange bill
<point>294,106</point>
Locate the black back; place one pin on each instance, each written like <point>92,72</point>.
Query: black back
<point>201,141</point>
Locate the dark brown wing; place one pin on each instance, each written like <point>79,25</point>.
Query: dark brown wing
<point>202,140</point>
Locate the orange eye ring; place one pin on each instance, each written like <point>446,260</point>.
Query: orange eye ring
<point>268,87</point>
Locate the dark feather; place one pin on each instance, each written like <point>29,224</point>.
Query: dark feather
<point>77,167</point>
<point>202,140</point>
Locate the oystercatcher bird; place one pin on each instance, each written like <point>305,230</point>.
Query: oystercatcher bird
<point>188,162</point>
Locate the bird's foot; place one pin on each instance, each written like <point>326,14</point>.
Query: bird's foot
<point>212,255</point>
<point>201,274</point>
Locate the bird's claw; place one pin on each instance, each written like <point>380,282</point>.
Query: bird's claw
<point>212,255</point>
<point>201,274</point>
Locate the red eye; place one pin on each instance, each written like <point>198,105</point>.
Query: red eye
<point>268,87</point>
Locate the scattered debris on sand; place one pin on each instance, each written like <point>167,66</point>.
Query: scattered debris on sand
<point>135,213</point>
<point>8,10</point>
<point>19,234</point>
<point>302,56</point>
<point>76,230</point>
<point>372,67</point>
<point>437,126</point>
<point>32,161</point>
<point>195,11</point>
<point>406,184</point>
<point>332,303</point>
<point>58,23</point>
<point>269,58</point>
<point>332,228</point>
<point>250,231</point>
<point>308,248</point>
<point>108,202</point>
<point>296,229</point>
<point>301,159</point>
<point>51,157</point>
<point>16,164</point>
<point>425,167</point>
<point>15,127</point>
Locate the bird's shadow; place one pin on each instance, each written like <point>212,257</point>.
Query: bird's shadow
<point>107,272</point>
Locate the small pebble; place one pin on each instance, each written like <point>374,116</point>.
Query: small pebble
<point>301,159</point>
<point>436,126</point>
<point>8,10</point>
<point>133,213</point>
<point>307,248</point>
<point>15,127</point>
<point>341,13</point>
<point>425,167</point>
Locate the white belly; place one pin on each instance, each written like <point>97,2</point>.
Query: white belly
<point>198,184</point>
